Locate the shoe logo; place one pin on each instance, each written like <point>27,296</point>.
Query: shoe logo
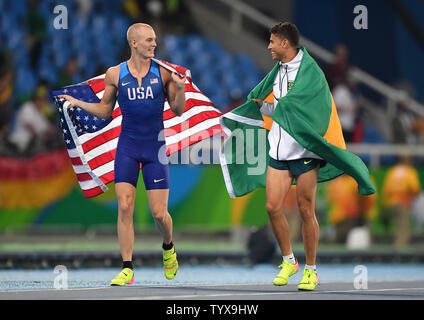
<point>156,181</point>
<point>124,84</point>
<point>306,162</point>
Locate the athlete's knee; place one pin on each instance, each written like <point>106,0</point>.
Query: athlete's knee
<point>306,209</point>
<point>273,208</point>
<point>159,212</point>
<point>125,205</point>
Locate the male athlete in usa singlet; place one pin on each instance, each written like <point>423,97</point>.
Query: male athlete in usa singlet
<point>140,85</point>
<point>142,125</point>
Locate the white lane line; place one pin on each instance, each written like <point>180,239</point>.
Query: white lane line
<point>50,290</point>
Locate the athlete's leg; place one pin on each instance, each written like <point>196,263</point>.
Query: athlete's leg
<point>158,203</point>
<point>156,181</point>
<point>125,193</point>
<point>306,186</point>
<point>127,170</point>
<point>278,183</point>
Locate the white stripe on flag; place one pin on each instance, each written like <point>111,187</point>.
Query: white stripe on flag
<point>242,119</point>
<point>105,147</point>
<point>197,96</point>
<point>88,184</point>
<point>73,153</point>
<point>187,115</point>
<point>88,136</point>
<point>188,96</point>
<point>209,123</point>
<point>103,169</point>
<point>79,169</point>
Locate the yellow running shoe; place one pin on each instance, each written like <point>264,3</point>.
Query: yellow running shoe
<point>170,263</point>
<point>309,280</point>
<point>287,270</point>
<point>126,276</point>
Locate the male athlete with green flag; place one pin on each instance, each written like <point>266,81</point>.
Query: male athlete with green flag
<point>305,146</point>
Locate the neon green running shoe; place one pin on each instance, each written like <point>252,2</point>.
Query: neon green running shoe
<point>126,276</point>
<point>309,280</point>
<point>287,270</point>
<point>170,263</point>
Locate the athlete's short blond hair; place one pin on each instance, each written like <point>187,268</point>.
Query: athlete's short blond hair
<point>134,30</point>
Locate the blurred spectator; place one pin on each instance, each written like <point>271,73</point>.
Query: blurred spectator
<point>48,109</point>
<point>417,213</point>
<point>6,90</point>
<point>336,72</point>
<point>164,15</point>
<point>133,9</point>
<point>417,128</point>
<point>348,209</point>
<point>84,9</point>
<point>401,186</point>
<point>36,27</point>
<point>347,107</point>
<point>155,8</point>
<point>150,11</point>
<point>66,77</point>
<point>406,126</point>
<point>403,122</point>
<point>32,127</point>
<point>174,10</point>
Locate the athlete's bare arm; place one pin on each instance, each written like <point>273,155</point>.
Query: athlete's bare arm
<point>259,102</point>
<point>174,88</point>
<point>104,108</point>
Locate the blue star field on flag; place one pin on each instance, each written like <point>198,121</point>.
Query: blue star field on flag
<point>83,121</point>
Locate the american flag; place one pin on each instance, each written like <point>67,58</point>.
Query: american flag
<point>91,141</point>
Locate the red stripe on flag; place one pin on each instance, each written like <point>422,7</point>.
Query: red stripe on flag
<point>100,139</point>
<point>102,159</point>
<point>108,177</point>
<point>116,113</point>
<point>83,177</point>
<point>179,69</point>
<point>193,139</point>
<point>76,161</point>
<point>97,85</point>
<point>168,114</point>
<point>194,120</point>
<point>89,193</point>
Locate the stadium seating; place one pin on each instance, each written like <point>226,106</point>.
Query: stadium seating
<point>99,41</point>
<point>216,71</point>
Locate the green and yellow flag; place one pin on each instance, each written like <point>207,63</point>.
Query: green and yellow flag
<point>307,113</point>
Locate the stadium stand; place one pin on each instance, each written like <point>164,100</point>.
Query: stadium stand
<point>104,45</point>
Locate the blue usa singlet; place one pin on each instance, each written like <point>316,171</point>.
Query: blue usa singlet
<point>141,140</point>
